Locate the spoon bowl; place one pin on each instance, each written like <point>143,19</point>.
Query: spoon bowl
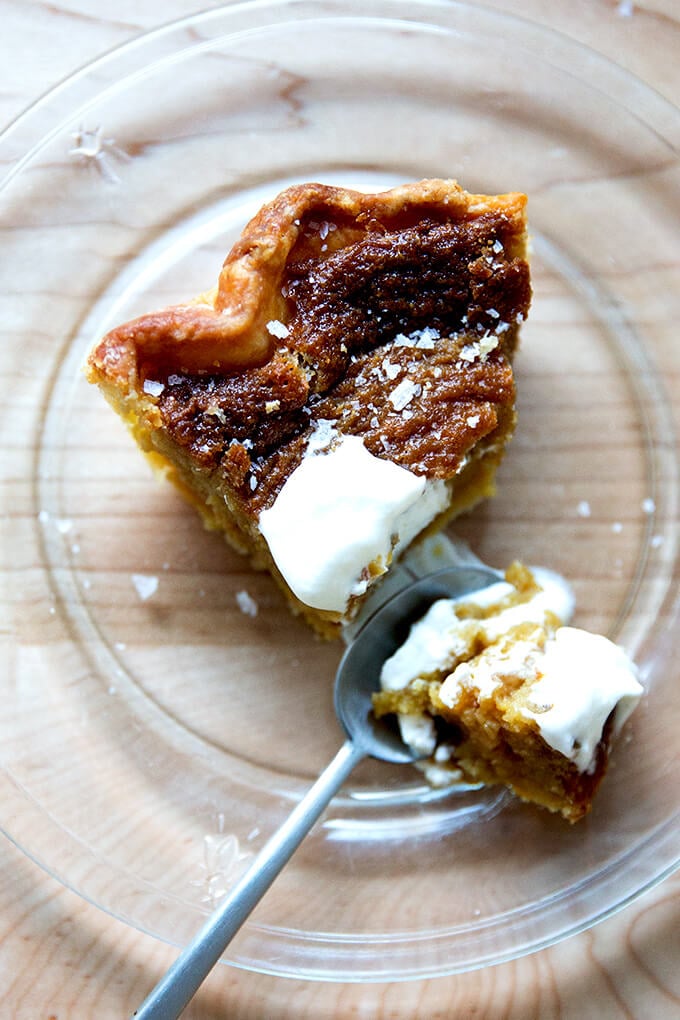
<point>382,632</point>
<point>357,678</point>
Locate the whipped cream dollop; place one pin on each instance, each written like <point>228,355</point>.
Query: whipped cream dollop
<point>582,679</point>
<point>442,637</point>
<point>342,515</point>
<point>572,680</point>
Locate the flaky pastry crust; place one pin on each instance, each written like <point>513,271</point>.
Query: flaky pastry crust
<point>226,330</point>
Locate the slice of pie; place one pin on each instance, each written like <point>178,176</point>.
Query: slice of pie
<point>347,386</point>
<point>495,689</point>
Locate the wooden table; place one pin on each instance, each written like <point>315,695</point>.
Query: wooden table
<point>60,957</point>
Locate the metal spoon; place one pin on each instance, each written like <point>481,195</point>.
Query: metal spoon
<point>357,678</point>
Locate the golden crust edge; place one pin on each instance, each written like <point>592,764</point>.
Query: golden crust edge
<point>225,328</point>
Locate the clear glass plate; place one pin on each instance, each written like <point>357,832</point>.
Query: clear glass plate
<point>153,733</point>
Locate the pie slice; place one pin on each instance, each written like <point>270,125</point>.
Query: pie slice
<point>495,689</point>
<point>347,386</point>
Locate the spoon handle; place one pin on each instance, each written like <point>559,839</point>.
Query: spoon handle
<point>192,966</point>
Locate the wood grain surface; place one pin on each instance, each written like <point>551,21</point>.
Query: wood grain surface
<point>61,957</point>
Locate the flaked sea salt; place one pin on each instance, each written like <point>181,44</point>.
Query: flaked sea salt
<point>479,349</point>
<point>617,527</point>
<point>472,420</point>
<point>278,329</point>
<point>402,394</point>
<point>583,509</point>
<point>217,412</point>
<point>648,506</point>
<point>146,585</point>
<point>390,368</point>
<point>246,603</point>
<point>423,339</point>
<point>153,388</point>
<point>322,436</point>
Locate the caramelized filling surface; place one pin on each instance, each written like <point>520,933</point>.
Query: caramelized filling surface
<point>403,338</point>
<point>442,276</point>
